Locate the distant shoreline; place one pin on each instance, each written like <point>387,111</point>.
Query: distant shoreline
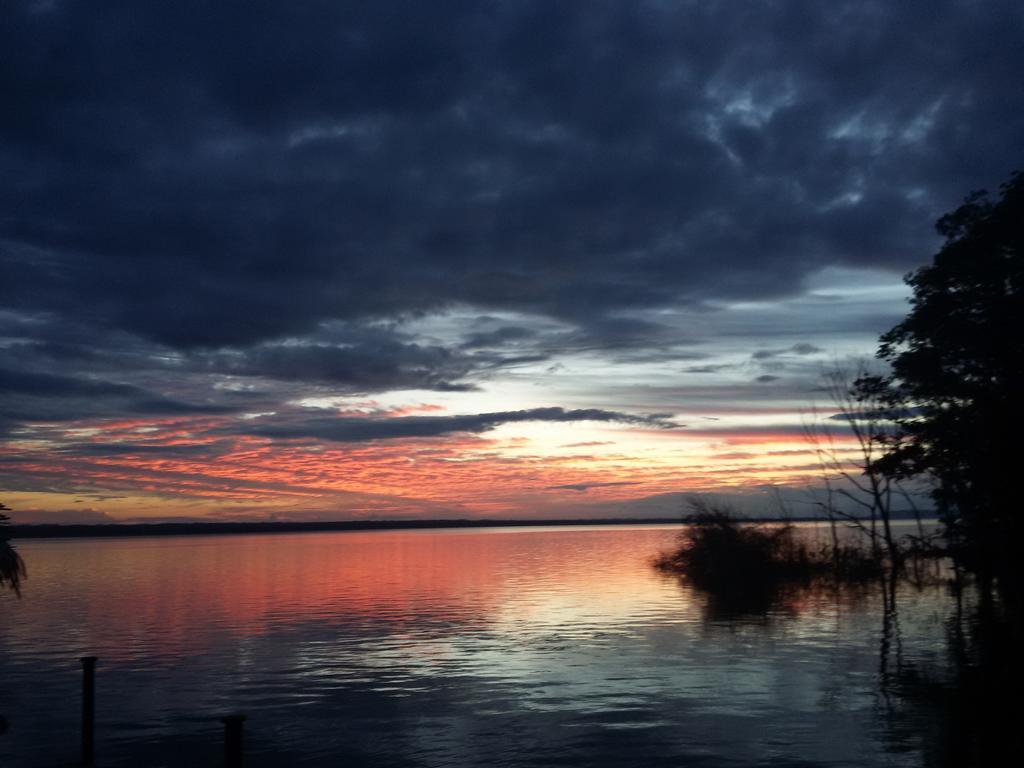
<point>96,530</point>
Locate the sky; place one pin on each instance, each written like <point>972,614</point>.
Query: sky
<point>348,260</point>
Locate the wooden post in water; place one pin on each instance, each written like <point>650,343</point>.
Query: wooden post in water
<point>88,709</point>
<point>233,740</point>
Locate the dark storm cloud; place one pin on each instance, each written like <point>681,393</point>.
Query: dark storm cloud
<point>366,367</point>
<point>43,384</point>
<point>354,430</point>
<point>194,193</point>
<point>34,396</point>
<point>221,174</point>
<point>620,339</point>
<point>357,359</point>
<point>499,337</point>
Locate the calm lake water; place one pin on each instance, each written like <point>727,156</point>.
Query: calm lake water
<point>516,646</point>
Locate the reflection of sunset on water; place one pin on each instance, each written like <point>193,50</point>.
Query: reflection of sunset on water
<point>188,592</point>
<point>410,644</point>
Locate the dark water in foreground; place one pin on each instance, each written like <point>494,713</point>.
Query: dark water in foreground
<point>515,647</point>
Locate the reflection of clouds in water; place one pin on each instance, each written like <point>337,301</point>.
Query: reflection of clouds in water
<point>430,648</point>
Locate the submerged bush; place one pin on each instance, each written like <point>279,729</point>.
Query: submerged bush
<point>12,567</point>
<point>751,563</point>
<point>718,552</point>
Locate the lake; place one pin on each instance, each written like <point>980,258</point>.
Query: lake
<point>507,646</point>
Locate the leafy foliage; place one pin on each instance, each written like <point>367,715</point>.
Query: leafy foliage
<point>12,567</point>
<point>957,377</point>
<point>747,567</point>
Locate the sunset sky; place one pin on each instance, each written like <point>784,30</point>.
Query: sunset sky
<point>333,260</point>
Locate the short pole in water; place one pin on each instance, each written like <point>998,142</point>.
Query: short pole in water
<point>233,740</point>
<point>88,709</point>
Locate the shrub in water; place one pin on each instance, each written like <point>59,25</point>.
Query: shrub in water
<point>719,553</point>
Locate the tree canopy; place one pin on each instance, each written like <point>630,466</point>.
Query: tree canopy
<point>12,568</point>
<point>957,377</point>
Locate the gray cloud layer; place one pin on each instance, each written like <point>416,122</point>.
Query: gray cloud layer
<point>31,396</point>
<point>185,185</point>
<point>353,430</point>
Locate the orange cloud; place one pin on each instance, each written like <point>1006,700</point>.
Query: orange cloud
<point>158,460</point>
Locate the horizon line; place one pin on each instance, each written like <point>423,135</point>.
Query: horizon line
<point>220,527</point>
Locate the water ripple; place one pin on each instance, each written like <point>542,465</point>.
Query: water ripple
<point>551,647</point>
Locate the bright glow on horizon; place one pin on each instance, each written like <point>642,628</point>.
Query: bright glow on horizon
<point>738,405</point>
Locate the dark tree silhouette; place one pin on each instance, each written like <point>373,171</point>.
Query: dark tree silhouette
<point>957,378</point>
<point>12,567</point>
